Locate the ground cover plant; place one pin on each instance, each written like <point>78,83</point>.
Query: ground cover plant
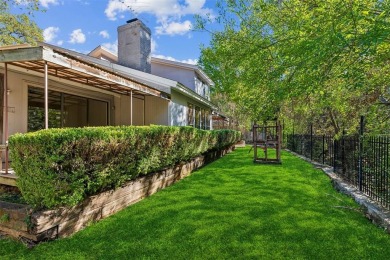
<point>229,209</point>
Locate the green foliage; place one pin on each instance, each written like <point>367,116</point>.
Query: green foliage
<point>322,62</point>
<point>4,218</point>
<point>63,166</point>
<point>19,28</point>
<point>231,110</point>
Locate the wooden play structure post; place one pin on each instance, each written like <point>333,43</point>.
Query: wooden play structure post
<point>265,137</point>
<point>254,131</point>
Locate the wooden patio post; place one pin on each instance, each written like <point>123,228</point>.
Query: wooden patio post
<point>131,107</point>
<point>46,98</point>
<point>5,116</point>
<point>279,129</point>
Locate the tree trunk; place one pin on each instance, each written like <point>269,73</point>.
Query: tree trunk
<point>334,121</point>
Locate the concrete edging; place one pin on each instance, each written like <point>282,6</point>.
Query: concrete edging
<point>374,212</point>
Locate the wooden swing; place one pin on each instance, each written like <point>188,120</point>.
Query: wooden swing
<point>265,137</point>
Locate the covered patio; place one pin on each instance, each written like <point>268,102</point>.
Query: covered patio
<point>65,68</point>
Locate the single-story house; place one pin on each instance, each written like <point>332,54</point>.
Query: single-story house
<point>47,86</point>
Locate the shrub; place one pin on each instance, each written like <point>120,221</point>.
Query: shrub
<point>58,167</point>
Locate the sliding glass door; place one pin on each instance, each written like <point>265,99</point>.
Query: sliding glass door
<point>65,110</point>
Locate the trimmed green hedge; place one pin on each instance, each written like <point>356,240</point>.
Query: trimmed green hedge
<point>58,167</point>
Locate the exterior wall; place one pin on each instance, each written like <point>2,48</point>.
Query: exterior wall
<point>116,113</point>
<point>156,111</point>
<point>178,109</point>
<point>138,110</point>
<point>17,104</point>
<point>80,116</point>
<point>124,110</point>
<point>184,76</point>
<point>97,119</point>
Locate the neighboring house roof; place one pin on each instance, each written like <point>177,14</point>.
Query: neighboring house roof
<point>183,65</point>
<point>103,53</point>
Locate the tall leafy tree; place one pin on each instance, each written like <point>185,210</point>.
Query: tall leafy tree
<point>17,28</point>
<point>306,61</point>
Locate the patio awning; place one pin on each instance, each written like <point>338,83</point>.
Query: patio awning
<point>68,67</point>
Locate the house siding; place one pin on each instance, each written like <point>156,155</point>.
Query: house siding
<point>184,76</point>
<point>179,109</point>
<point>124,110</point>
<point>156,111</point>
<point>138,110</point>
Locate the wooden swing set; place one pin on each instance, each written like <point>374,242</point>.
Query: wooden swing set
<point>267,137</point>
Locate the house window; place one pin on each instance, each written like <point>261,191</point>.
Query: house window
<point>65,110</point>
<point>190,115</point>
<point>206,91</point>
<point>200,87</point>
<point>198,117</point>
<point>197,85</point>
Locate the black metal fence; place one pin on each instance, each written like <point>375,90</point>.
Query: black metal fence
<point>361,160</point>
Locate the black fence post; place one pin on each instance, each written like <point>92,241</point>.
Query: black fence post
<point>301,140</point>
<point>335,151</point>
<point>323,149</point>
<point>343,166</point>
<point>311,141</point>
<point>360,163</point>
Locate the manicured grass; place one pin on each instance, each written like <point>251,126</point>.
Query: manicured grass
<point>229,209</point>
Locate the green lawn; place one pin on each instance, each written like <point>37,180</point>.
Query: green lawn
<point>229,209</point>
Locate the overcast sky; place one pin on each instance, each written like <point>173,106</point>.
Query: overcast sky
<point>82,25</point>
